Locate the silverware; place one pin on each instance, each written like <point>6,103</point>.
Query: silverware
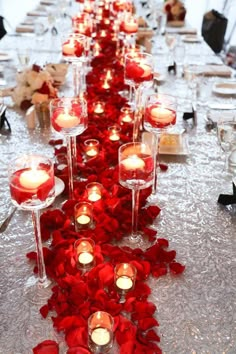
<point>6,222</point>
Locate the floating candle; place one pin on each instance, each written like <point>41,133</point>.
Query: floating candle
<point>161,114</point>
<point>65,120</point>
<point>133,162</point>
<point>68,47</point>
<point>32,179</point>
<point>146,68</point>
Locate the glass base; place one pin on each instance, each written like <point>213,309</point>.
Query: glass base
<point>135,239</point>
<point>36,292</point>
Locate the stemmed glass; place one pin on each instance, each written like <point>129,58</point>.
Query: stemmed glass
<point>129,27</point>
<point>69,117</point>
<point>73,51</point>
<point>139,68</point>
<point>179,55</point>
<point>159,115</point>
<point>226,128</point>
<point>136,168</point>
<point>32,187</point>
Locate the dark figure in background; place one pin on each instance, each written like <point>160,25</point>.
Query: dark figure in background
<point>2,28</point>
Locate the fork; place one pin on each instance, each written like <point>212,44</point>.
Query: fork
<point>7,220</point>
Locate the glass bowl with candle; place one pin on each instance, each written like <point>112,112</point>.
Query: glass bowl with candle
<point>100,330</point>
<point>136,168</point>
<point>83,213</point>
<point>159,116</point>
<point>125,276</point>
<point>32,187</point>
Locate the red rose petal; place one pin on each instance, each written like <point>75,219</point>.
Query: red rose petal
<point>46,347</point>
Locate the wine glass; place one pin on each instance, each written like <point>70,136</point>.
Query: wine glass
<point>129,27</point>
<point>159,115</point>
<point>73,51</point>
<point>139,68</point>
<point>69,117</point>
<point>32,187</point>
<point>136,168</point>
<point>226,128</point>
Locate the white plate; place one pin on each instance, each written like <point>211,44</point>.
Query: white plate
<point>4,56</point>
<point>225,88</point>
<point>190,38</point>
<point>173,144</point>
<point>59,186</point>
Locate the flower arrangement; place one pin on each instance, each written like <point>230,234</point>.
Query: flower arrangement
<point>175,10</point>
<point>34,85</point>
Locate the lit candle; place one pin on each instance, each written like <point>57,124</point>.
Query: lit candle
<point>133,162</point>
<point>100,336</point>
<point>99,108</point>
<point>66,120</point>
<point>85,258</point>
<point>161,114</point>
<point>68,47</point>
<point>103,33</point>
<point>124,282</point>
<point>32,179</point>
<point>108,75</point>
<point>130,26</point>
<point>96,49</point>
<point>91,147</point>
<point>146,68</point>
<point>114,133</point>
<point>106,85</point>
<point>83,219</point>
<point>94,191</point>
<point>126,115</point>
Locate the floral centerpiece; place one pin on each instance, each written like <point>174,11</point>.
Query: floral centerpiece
<point>175,10</point>
<point>34,85</point>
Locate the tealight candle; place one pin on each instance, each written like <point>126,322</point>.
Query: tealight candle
<point>84,249</point>
<point>114,133</point>
<point>99,107</point>
<point>94,191</point>
<point>91,147</point>
<point>100,327</point>
<point>108,75</point>
<point>83,215</point>
<point>133,162</point>
<point>125,276</point>
<point>126,115</point>
<point>106,85</point>
<point>103,33</point>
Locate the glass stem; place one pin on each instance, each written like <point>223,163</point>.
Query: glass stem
<point>69,142</point>
<point>43,281</point>
<point>138,113</point>
<point>155,159</point>
<point>135,208</point>
<point>76,79</point>
<point>74,155</point>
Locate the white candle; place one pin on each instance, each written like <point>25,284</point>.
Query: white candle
<point>83,219</point>
<point>114,137</point>
<point>126,118</point>
<point>146,68</point>
<point>65,120</point>
<point>108,75</point>
<point>124,282</point>
<point>69,47</point>
<point>130,26</point>
<point>85,258</point>
<point>161,114</point>
<point>133,162</point>
<point>94,196</point>
<point>92,152</point>
<point>32,179</point>
<point>106,85</point>
<point>98,108</point>
<point>100,336</point>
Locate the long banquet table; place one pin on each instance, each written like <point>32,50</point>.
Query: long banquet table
<point>196,310</point>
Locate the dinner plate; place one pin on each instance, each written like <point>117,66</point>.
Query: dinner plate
<point>225,88</point>
<point>4,56</point>
<point>189,38</point>
<point>173,144</point>
<point>59,186</point>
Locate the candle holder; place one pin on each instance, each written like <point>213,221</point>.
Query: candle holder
<point>126,115</point>
<point>83,213</point>
<point>94,191</point>
<point>114,133</point>
<point>125,276</point>
<point>136,167</point>
<point>99,107</point>
<point>91,147</point>
<point>69,117</point>
<point>32,187</point>
<point>84,249</point>
<point>100,331</point>
<point>159,116</point>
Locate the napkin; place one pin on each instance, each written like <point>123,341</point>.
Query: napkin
<point>216,70</point>
<point>181,30</point>
<point>227,199</point>
<point>24,29</point>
